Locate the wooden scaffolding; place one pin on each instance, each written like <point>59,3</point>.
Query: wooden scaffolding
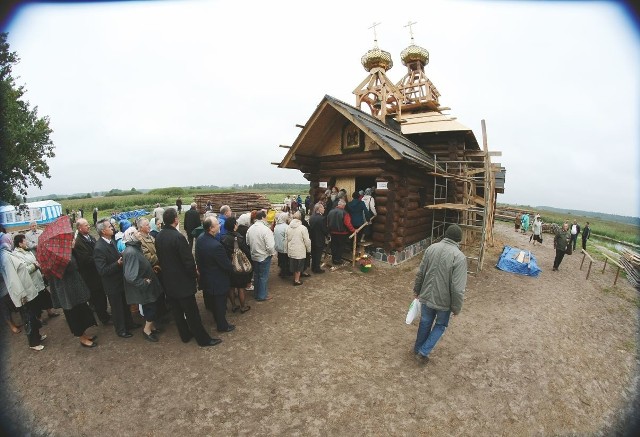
<point>475,178</point>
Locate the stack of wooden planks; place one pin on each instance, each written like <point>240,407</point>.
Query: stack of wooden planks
<point>630,260</point>
<point>238,202</point>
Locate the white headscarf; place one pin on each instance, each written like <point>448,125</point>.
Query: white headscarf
<point>130,235</point>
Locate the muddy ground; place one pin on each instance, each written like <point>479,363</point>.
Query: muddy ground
<point>553,355</point>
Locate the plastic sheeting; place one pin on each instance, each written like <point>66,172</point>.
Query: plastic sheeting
<point>508,263</point>
<point>130,214</point>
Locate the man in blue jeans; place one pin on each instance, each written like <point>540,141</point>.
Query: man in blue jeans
<point>263,247</point>
<point>440,284</point>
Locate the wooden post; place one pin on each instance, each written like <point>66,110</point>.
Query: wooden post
<point>355,244</point>
<point>585,255</point>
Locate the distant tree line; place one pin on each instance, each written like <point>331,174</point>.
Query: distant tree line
<point>598,215</point>
<point>117,192</point>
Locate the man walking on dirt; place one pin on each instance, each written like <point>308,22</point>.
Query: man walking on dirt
<point>440,285</point>
<point>561,242</point>
<point>575,231</point>
<point>586,233</point>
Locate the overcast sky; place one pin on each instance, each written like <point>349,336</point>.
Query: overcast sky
<point>158,94</point>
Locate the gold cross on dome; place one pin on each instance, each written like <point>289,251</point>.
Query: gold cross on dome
<point>409,24</point>
<point>375,35</point>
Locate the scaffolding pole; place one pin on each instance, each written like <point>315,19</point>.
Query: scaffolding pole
<point>475,214</point>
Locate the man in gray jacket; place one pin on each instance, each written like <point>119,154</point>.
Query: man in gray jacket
<point>440,284</point>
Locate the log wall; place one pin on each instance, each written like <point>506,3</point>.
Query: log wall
<point>402,217</point>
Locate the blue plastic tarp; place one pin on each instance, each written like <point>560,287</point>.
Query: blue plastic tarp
<point>508,263</point>
<point>131,214</point>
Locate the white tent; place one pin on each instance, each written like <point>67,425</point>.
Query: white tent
<point>42,212</point>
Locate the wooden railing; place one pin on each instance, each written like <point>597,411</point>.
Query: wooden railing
<point>355,243</point>
<point>586,255</point>
<point>613,261</point>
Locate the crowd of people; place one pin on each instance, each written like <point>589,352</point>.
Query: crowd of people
<point>564,240</point>
<point>150,266</point>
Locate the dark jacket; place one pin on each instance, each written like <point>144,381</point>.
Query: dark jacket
<point>191,220</point>
<point>227,242</point>
<point>237,279</point>
<point>137,269</point>
<point>339,222</point>
<point>356,208</point>
<point>83,251</point>
<point>442,277</point>
<point>176,262</point>
<point>318,230</point>
<point>214,265</point>
<point>561,240</point>
<point>586,232</point>
<point>70,290</point>
<point>106,259</point>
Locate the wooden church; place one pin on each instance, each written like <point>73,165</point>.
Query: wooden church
<point>428,170</point>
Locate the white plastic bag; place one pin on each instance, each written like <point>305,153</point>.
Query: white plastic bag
<point>414,311</point>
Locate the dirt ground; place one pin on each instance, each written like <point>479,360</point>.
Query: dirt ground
<point>553,355</point>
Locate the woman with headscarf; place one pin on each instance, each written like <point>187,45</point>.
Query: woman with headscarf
<point>154,229</point>
<point>279,234</point>
<point>141,286</point>
<point>371,212</point>
<point>23,294</point>
<point>244,222</point>
<point>7,308</point>
<point>43,301</point>
<point>525,223</point>
<point>71,294</point>
<point>148,244</point>
<point>298,244</point>
<point>239,281</point>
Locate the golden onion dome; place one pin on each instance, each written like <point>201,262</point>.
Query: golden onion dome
<point>376,58</point>
<point>414,53</point>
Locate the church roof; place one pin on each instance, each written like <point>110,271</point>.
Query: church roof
<point>436,122</point>
<point>391,141</point>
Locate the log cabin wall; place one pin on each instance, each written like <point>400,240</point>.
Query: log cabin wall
<point>402,218</point>
<point>446,148</point>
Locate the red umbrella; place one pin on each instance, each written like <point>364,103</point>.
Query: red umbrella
<point>54,247</point>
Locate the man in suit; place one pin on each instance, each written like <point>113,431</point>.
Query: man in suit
<point>179,274</point>
<point>191,221</point>
<point>215,268</point>
<point>83,251</point>
<point>109,266</point>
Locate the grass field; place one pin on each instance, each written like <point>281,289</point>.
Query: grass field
<point>615,230</point>
<point>139,201</point>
